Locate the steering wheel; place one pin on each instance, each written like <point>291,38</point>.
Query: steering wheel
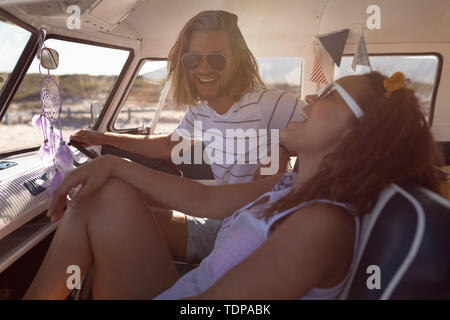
<point>88,153</point>
<point>156,164</point>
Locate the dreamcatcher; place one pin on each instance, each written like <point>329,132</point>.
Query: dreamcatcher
<point>48,123</point>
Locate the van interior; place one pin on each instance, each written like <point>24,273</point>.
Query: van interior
<point>111,68</point>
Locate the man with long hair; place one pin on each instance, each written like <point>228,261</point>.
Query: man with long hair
<point>215,75</point>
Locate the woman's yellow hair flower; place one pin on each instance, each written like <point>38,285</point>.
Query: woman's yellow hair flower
<point>395,82</point>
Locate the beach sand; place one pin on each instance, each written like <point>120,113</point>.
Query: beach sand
<point>15,136</point>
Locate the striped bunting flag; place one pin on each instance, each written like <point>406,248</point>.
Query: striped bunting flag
<point>317,73</point>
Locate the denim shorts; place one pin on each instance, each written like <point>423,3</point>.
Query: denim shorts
<point>202,233</point>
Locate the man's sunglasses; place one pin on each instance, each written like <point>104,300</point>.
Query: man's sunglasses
<point>351,103</point>
<point>192,60</point>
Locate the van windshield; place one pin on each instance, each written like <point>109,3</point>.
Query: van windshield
<point>13,40</point>
<point>86,74</point>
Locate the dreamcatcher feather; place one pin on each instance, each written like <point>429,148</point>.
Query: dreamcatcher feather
<point>48,123</point>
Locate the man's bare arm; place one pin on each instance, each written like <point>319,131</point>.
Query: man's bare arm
<point>148,146</point>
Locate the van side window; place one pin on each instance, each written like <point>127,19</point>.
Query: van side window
<point>420,70</point>
<point>283,73</point>
<point>139,109</point>
<point>86,74</point>
<point>140,106</point>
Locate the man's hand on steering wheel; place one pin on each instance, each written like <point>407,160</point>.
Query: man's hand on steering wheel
<point>85,138</point>
<point>89,137</point>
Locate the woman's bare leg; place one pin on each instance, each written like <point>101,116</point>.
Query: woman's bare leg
<point>114,230</point>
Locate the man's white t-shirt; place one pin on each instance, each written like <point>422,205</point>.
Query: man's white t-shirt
<point>234,141</point>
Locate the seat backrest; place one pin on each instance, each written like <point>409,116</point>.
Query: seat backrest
<point>406,236</point>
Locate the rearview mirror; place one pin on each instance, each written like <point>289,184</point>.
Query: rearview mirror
<point>49,58</point>
<point>95,112</point>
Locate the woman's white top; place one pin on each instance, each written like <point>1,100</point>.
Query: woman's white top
<point>240,235</point>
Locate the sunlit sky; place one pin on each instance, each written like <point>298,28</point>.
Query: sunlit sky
<point>415,68</point>
<point>76,58</point>
<point>91,59</point>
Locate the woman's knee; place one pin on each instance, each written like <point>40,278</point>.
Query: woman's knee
<point>114,189</point>
<point>113,194</point>
<point>116,196</point>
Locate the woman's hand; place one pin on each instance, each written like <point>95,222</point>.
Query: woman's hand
<point>86,179</point>
<point>310,99</point>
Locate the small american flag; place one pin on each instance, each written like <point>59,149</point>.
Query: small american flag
<point>317,72</point>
